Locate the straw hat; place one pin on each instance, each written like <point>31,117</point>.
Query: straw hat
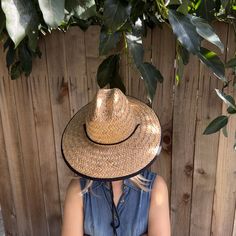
<point>112,137</point>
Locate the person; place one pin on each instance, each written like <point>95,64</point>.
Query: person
<point>110,143</point>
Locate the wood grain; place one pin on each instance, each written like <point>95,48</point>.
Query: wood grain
<point>225,187</point>
<point>199,169</point>
<point>206,146</point>
<point>183,136</point>
<point>162,38</point>
<point>14,202</point>
<point>60,104</point>
<point>39,86</point>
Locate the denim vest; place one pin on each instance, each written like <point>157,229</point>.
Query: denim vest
<point>132,208</point>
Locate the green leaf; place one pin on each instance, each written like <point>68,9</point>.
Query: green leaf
<point>16,70</point>
<point>206,9</point>
<point>10,56</point>
<point>216,124</point>
<point>108,73</point>
<point>183,8</point>
<point>184,54</point>
<point>33,36</point>
<point>134,42</point>
<point>231,110</point>
<point>213,62</point>
<point>7,43</point>
<point>117,82</point>
<point>182,57</point>
<point>138,28</point>
<point>2,19</point>
<point>25,57</point>
<point>138,8</point>
<point>205,30</point>
<point>195,5</point>
<point>21,17</point>
<point>185,31</point>
<point>116,13</point>
<point>82,9</point>
<point>224,130</point>
<point>53,12</point>
<point>108,41</point>
<point>227,99</point>
<point>151,76</point>
<point>231,63</point>
<point>83,24</point>
<point>224,3</point>
<point>136,48</point>
<point>106,70</point>
<point>180,69</point>
<point>174,2</point>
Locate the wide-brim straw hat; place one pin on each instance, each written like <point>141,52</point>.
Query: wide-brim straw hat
<point>115,136</point>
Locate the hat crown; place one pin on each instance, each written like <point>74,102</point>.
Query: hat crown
<point>110,118</point>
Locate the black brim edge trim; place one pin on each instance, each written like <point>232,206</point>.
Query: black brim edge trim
<point>108,179</point>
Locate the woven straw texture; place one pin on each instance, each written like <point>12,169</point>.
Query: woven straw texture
<point>110,118</point>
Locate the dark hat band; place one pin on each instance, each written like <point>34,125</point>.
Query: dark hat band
<point>109,143</point>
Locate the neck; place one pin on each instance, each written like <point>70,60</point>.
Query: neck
<point>116,184</point>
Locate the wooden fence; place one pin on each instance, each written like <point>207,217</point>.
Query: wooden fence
<point>200,170</point>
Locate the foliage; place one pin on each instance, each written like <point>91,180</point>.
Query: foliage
<point>123,24</point>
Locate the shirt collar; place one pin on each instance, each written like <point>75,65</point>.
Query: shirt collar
<point>127,182</point>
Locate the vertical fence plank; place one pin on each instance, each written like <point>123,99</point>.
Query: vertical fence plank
<point>184,121</point>
<point>45,139</point>
<point>60,104</point>
<point>92,59</point>
<point>224,198</point>
<point>29,147</point>
<point>76,68</point>
<point>225,189</point>
<point>234,229</point>
<point>163,56</point>
<point>123,70</point>
<point>15,160</point>
<point>206,146</point>
<point>6,194</point>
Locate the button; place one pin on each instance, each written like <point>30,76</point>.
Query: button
<point>122,200</point>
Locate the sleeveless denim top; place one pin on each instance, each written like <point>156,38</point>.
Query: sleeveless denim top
<point>132,208</point>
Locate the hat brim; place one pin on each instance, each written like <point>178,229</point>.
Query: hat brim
<point>112,162</point>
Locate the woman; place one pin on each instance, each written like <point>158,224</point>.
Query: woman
<point>110,142</point>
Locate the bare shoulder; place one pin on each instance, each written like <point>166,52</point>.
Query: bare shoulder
<point>159,217</point>
<point>73,187</point>
<point>73,210</point>
<point>159,186</point>
<point>73,193</point>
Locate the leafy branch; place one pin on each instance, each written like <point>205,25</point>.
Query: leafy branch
<point>123,24</point>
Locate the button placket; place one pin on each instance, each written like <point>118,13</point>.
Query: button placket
<point>122,198</point>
